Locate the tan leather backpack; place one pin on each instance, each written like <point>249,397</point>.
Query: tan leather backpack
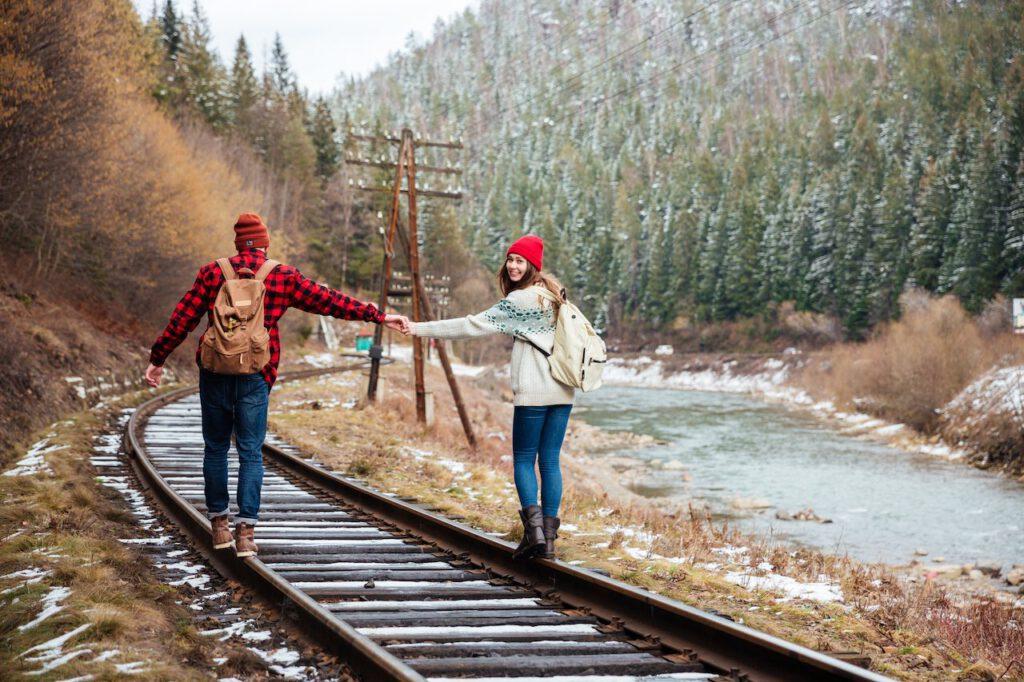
<point>237,342</point>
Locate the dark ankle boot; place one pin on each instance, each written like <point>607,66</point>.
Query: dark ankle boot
<point>551,524</point>
<point>533,533</point>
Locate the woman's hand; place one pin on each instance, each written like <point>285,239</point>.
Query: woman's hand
<point>398,323</point>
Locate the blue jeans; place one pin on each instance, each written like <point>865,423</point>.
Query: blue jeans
<point>537,434</point>
<point>233,403</point>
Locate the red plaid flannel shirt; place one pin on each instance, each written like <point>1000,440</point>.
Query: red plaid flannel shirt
<point>286,288</point>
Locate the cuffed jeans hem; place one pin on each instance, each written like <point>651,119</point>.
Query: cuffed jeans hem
<point>242,519</point>
<point>213,515</point>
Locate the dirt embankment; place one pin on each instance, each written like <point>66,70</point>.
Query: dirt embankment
<point>58,360</point>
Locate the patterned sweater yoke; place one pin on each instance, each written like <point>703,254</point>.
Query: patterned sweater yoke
<point>522,314</point>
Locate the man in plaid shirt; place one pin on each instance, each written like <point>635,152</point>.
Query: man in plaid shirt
<point>239,403</point>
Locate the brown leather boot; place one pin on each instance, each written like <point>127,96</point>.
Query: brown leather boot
<point>551,524</point>
<point>245,542</point>
<point>533,534</point>
<point>221,531</point>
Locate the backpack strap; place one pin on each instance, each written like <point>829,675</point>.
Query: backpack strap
<point>265,269</point>
<point>225,267</point>
<point>544,292</point>
<point>540,350</point>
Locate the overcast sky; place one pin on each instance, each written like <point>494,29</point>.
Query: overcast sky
<point>322,38</point>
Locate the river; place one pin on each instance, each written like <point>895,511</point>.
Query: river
<point>884,503</point>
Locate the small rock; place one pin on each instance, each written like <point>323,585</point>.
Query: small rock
<point>1016,576</point>
<point>940,559</point>
<point>991,569</point>
<point>920,552</point>
<point>782,515</point>
<point>975,574</point>
<point>674,465</point>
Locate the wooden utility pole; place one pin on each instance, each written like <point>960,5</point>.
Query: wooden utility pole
<point>405,167</point>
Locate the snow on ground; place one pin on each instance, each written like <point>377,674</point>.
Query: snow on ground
<point>454,466</point>
<point>34,461</point>
<point>51,606</point>
<point>645,371</point>
<point>321,360</point>
<point>822,591</point>
<point>999,390</point>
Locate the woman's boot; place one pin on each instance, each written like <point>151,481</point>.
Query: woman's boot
<point>551,524</point>
<point>533,533</point>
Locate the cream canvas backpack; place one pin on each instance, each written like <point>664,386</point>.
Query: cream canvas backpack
<point>579,355</point>
<point>237,342</point>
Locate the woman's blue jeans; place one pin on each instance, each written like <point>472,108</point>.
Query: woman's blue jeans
<point>233,403</point>
<point>537,434</point>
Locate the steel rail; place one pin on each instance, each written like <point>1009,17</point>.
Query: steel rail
<point>358,651</point>
<point>725,647</point>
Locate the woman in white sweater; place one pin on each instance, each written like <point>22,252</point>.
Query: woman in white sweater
<point>541,403</point>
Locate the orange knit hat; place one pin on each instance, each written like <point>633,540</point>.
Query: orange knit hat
<point>251,232</point>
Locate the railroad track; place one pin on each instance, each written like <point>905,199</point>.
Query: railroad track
<point>402,593</point>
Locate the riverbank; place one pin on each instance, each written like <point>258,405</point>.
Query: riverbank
<point>910,629</point>
<point>937,381</point>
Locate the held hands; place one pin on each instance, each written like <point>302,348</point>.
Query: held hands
<point>399,323</point>
<point>153,375</point>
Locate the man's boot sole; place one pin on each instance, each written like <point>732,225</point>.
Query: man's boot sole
<point>242,555</point>
<point>224,545</point>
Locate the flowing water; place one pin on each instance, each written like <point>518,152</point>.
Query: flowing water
<point>736,452</point>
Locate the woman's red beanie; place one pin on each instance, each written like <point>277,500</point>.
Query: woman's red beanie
<point>251,232</point>
<point>530,247</point>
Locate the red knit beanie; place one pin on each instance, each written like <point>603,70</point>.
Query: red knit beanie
<point>251,232</point>
<point>530,247</point>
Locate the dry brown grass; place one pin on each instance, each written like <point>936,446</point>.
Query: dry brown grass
<point>912,367</point>
<point>69,525</point>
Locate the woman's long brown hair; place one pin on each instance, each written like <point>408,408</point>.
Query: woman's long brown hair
<point>530,277</point>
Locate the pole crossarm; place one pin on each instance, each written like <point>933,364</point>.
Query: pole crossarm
<point>419,192</point>
<point>390,164</point>
<point>398,140</point>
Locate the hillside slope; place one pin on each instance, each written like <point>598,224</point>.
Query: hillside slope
<point>695,161</point>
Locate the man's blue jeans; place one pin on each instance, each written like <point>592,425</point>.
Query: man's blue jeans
<point>233,404</point>
<point>537,434</point>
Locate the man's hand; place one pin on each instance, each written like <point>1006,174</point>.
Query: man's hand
<point>153,375</point>
<point>397,322</point>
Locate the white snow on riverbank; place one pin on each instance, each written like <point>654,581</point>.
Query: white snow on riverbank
<point>645,371</point>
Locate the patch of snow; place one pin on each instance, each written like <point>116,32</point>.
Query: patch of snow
<point>320,360</point>
<point>281,661</point>
<point>51,606</point>
<point>106,656</point>
<point>56,643</point>
<point>57,662</point>
<point>793,589</point>
<point>133,668</point>
<point>34,461</point>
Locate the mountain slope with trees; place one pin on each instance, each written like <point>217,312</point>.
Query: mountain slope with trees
<point>691,162</point>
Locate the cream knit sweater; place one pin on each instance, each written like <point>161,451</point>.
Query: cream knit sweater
<point>523,313</point>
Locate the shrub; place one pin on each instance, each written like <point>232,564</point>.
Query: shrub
<point>912,367</point>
